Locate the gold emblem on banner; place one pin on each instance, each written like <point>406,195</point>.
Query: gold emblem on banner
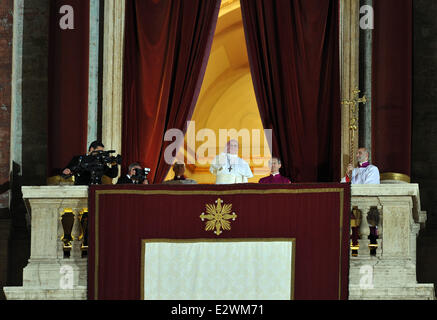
<point>218,216</point>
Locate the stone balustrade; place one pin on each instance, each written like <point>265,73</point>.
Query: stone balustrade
<point>57,267</point>
<point>389,272</point>
<point>51,272</point>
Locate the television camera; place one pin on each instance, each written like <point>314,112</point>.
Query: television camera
<point>140,175</point>
<point>94,164</point>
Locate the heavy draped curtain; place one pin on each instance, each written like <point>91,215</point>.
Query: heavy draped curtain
<point>293,48</point>
<point>167,46</point>
<point>68,76</point>
<point>392,85</point>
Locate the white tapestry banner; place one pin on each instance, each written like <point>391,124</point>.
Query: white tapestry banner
<point>232,269</point>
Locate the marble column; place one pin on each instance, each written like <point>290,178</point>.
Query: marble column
<point>14,130</point>
<point>28,123</point>
<point>29,88</point>
<point>93,89</point>
<point>113,46</point>
<point>16,84</point>
<point>366,38</point>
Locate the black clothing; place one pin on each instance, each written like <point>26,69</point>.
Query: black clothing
<point>83,177</point>
<point>124,180</point>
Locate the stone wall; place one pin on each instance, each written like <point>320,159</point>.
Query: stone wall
<point>35,91</point>
<point>424,132</point>
<point>424,136</point>
<point>6,16</point>
<point>29,129</point>
<point>6,27</point>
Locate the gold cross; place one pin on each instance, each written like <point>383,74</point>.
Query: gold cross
<point>353,123</point>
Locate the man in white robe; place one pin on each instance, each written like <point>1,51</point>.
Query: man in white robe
<point>365,173</point>
<point>229,168</point>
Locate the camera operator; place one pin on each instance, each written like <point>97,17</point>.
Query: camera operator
<point>136,175</point>
<point>87,176</point>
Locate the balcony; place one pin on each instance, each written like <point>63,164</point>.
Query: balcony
<point>380,268</point>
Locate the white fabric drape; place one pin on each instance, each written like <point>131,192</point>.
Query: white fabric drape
<point>218,270</point>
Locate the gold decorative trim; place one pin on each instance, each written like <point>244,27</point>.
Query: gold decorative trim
<point>215,192</point>
<point>395,176</point>
<point>96,246</point>
<point>59,181</point>
<point>200,192</point>
<point>107,180</point>
<point>198,240</point>
<point>341,240</point>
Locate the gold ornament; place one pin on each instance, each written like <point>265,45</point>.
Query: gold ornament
<point>218,216</point>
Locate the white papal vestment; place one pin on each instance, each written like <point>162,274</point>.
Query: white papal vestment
<point>229,169</point>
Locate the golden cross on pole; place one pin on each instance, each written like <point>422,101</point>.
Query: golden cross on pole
<point>353,119</point>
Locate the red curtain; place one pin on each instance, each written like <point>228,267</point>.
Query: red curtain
<point>68,85</point>
<point>166,51</point>
<point>392,85</point>
<point>293,48</point>
<point>319,221</point>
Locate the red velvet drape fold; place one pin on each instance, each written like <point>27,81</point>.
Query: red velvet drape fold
<point>166,50</point>
<point>293,48</point>
<point>68,85</point>
<point>392,85</point>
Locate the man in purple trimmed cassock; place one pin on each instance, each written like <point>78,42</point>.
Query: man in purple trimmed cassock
<point>275,177</point>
